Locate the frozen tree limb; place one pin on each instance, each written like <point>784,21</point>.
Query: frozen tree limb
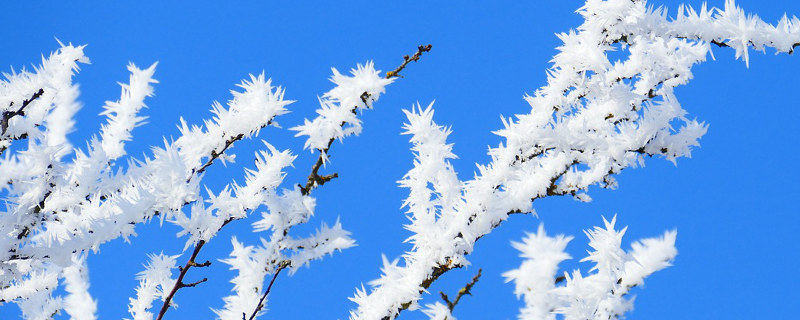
<point>593,119</point>
<point>336,120</point>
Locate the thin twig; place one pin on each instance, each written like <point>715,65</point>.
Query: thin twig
<point>314,179</point>
<point>192,284</point>
<point>7,115</point>
<point>463,291</point>
<point>407,59</point>
<point>282,265</point>
<point>179,283</point>
<point>215,155</point>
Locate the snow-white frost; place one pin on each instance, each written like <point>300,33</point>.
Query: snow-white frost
<point>78,303</point>
<point>337,116</point>
<point>603,293</point>
<point>595,117</point>
<point>438,311</point>
<point>155,283</point>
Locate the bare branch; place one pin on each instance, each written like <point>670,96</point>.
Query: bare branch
<point>7,115</point>
<point>314,179</point>
<point>463,291</point>
<point>179,284</point>
<point>407,59</point>
<point>192,284</point>
<point>282,265</point>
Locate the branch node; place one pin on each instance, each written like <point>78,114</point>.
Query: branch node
<point>199,265</point>
<point>192,284</point>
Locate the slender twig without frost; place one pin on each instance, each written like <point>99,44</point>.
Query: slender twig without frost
<point>179,283</point>
<point>282,265</point>
<point>461,292</point>
<point>407,59</point>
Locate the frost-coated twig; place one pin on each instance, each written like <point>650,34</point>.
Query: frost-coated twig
<point>215,155</point>
<point>7,115</point>
<point>314,179</point>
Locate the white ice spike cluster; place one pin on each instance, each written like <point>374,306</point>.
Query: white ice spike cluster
<point>337,116</point>
<point>600,295</point>
<point>155,282</point>
<point>595,117</point>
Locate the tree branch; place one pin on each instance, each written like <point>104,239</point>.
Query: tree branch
<point>215,155</point>
<point>184,285</point>
<point>282,265</point>
<point>437,272</point>
<point>463,291</point>
<point>407,59</point>
<point>179,283</point>
<point>314,181</point>
<point>7,115</point>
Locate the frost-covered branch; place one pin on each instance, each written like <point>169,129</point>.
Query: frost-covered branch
<point>55,209</point>
<point>79,303</point>
<point>602,294</point>
<point>58,208</point>
<point>314,179</point>
<point>154,282</point>
<point>593,119</point>
<point>337,119</point>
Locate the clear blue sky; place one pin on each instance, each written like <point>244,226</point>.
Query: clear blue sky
<point>734,203</point>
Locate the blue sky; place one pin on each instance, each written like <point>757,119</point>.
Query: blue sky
<point>734,203</point>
